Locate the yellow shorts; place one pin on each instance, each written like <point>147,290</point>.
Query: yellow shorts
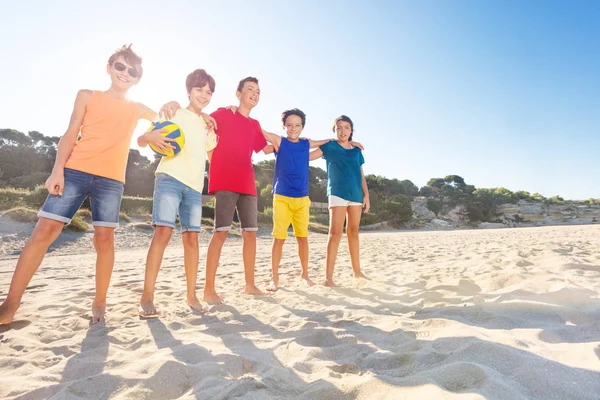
<point>294,210</point>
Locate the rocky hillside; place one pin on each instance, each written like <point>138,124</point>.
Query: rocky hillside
<point>520,214</point>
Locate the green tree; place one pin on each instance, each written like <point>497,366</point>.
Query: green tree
<point>399,208</point>
<point>426,191</point>
<point>266,197</point>
<point>437,183</point>
<point>554,200</point>
<point>317,184</point>
<point>11,137</point>
<point>139,175</point>
<point>435,206</point>
<point>17,161</point>
<point>455,181</point>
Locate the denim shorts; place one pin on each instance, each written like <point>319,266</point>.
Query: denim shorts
<point>105,199</point>
<point>172,198</point>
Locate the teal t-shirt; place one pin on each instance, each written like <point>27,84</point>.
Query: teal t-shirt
<point>344,177</point>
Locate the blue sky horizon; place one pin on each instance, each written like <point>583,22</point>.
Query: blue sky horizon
<point>502,93</point>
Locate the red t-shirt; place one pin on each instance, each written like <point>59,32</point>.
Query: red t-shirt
<point>231,166</point>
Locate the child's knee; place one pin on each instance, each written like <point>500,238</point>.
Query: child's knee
<point>249,235</point>
<point>162,234</point>
<point>190,239</point>
<point>302,240</point>
<point>47,230</point>
<point>335,235</point>
<point>104,239</point>
<point>219,237</point>
<point>352,231</point>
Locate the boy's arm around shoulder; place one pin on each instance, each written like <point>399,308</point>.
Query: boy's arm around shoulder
<point>269,149</point>
<point>56,182</point>
<point>318,143</point>
<point>315,154</point>
<point>145,112</point>
<point>148,114</point>
<point>211,144</point>
<point>153,137</point>
<point>272,138</point>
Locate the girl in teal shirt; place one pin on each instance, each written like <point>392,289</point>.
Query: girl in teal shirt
<point>347,192</point>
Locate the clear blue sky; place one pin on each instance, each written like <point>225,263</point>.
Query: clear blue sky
<point>503,93</point>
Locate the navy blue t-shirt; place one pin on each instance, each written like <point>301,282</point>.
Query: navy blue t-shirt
<point>344,176</point>
<point>290,177</point>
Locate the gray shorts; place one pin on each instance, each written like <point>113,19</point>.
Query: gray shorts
<point>226,203</point>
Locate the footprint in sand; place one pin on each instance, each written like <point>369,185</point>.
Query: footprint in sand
<point>460,377</point>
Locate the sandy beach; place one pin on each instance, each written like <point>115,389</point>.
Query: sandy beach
<point>474,314</point>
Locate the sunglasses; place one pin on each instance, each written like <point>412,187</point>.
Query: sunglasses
<point>131,71</point>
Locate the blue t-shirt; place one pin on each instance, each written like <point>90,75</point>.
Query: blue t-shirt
<point>344,177</point>
<point>290,177</point>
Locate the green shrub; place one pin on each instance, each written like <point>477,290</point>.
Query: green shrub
<point>474,213</point>
<point>11,197</point>
<point>554,200</point>
<point>266,216</point>
<point>318,228</point>
<point>322,219</point>
<point>136,205</point>
<point>29,181</point>
<point>369,219</point>
<point>399,208</point>
<point>21,214</point>
<point>208,212</point>
<point>78,225</point>
<point>124,217</point>
<point>208,223</point>
<point>85,215</point>
<point>38,196</point>
<point>142,226</point>
<point>434,206</point>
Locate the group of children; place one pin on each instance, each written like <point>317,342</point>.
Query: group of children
<point>91,161</point>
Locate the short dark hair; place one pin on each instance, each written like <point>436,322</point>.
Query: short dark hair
<point>129,55</point>
<point>199,78</point>
<point>293,111</point>
<point>247,79</point>
<point>345,119</point>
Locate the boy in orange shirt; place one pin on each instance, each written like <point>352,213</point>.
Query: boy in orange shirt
<point>92,166</point>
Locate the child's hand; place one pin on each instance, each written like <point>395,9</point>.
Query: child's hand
<point>233,109</point>
<point>366,204</point>
<point>159,141</point>
<point>55,183</point>
<point>169,110</point>
<point>211,123</point>
<point>357,144</point>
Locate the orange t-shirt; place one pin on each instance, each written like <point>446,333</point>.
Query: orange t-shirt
<point>106,131</point>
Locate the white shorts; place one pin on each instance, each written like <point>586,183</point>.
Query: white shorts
<point>335,201</point>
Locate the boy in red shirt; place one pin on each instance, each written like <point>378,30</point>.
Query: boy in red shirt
<point>231,180</point>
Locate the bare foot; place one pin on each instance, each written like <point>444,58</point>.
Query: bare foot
<point>273,286</point>
<point>98,312</point>
<point>329,283</point>
<point>307,282</point>
<point>8,309</point>
<point>147,308</point>
<point>361,275</point>
<point>253,290</point>
<point>212,298</point>
<point>195,305</point>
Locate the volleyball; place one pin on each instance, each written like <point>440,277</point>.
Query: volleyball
<point>173,131</point>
